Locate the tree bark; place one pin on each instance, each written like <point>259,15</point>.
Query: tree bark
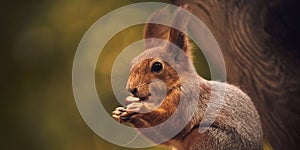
<point>260,43</point>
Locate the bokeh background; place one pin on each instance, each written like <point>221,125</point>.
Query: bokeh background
<point>38,43</point>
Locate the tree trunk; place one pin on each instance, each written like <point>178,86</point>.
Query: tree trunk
<point>260,43</point>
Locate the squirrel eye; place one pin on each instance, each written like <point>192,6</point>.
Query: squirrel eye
<point>156,67</point>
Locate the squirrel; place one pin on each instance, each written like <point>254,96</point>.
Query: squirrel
<point>158,91</point>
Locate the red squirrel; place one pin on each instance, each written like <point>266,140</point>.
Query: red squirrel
<point>236,126</point>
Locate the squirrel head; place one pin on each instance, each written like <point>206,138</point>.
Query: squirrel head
<point>167,60</point>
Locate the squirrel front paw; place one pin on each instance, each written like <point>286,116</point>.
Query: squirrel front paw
<point>120,114</point>
<point>123,114</point>
<point>134,107</point>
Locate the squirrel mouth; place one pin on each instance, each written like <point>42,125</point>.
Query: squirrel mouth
<point>144,98</point>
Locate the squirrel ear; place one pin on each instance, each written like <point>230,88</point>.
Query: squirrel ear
<point>158,31</point>
<point>179,39</point>
<point>180,21</point>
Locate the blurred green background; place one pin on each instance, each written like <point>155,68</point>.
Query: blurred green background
<point>38,43</point>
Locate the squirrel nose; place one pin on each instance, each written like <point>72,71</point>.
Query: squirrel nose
<point>133,91</point>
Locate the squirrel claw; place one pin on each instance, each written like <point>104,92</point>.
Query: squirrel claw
<point>124,119</point>
<point>121,109</point>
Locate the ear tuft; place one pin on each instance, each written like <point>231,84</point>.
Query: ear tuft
<point>180,21</point>
<point>158,31</point>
